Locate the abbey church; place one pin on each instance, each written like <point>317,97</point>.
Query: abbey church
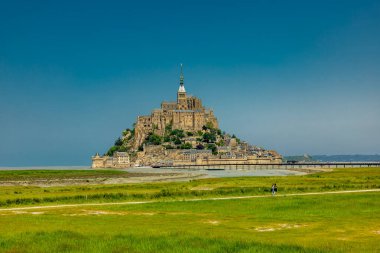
<point>187,113</point>
<point>181,133</point>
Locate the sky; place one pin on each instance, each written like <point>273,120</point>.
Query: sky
<point>295,76</point>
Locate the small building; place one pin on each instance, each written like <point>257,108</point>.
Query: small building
<point>122,158</point>
<point>118,160</point>
<point>98,161</point>
<point>193,154</point>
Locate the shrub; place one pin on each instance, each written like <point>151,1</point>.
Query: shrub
<point>118,142</point>
<point>186,146</point>
<point>112,150</point>
<point>200,146</point>
<point>209,137</point>
<point>213,148</point>
<point>177,141</point>
<point>154,139</point>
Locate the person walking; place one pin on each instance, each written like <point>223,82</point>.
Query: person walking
<point>275,189</point>
<point>272,189</point>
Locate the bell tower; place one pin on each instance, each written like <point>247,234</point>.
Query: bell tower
<point>181,94</point>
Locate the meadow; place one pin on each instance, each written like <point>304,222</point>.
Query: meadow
<point>339,179</point>
<point>346,222</point>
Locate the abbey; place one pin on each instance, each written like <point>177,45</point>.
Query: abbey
<point>187,113</point>
<point>181,133</point>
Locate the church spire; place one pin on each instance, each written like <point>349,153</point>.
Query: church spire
<point>181,85</point>
<point>181,76</point>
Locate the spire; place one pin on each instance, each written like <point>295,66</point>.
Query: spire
<point>181,85</point>
<point>181,76</point>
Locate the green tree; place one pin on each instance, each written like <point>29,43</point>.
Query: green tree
<point>200,146</point>
<point>126,131</point>
<point>123,149</point>
<point>178,132</point>
<point>213,148</point>
<point>209,137</point>
<point>154,139</point>
<point>118,142</point>
<point>220,143</point>
<point>112,150</point>
<point>177,141</point>
<point>186,146</point>
<point>168,128</point>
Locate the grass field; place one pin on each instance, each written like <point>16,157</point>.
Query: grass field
<point>340,179</point>
<point>348,222</point>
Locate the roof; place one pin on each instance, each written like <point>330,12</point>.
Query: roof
<point>121,153</point>
<point>183,110</point>
<point>196,151</point>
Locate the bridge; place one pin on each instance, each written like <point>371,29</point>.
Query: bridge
<point>274,166</point>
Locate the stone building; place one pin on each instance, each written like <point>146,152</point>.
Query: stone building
<point>187,113</point>
<point>118,160</point>
<point>194,154</point>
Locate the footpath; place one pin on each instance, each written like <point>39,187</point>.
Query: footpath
<point>186,200</point>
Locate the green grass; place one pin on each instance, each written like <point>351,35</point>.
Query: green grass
<point>339,179</point>
<point>313,223</point>
<point>20,175</point>
<point>328,223</point>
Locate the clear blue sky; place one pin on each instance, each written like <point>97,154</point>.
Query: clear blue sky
<point>295,76</point>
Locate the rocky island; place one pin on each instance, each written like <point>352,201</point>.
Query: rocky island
<point>183,132</point>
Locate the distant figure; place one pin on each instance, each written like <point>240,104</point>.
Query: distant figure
<point>272,189</point>
<point>275,189</point>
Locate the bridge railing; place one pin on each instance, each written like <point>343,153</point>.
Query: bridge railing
<point>225,166</point>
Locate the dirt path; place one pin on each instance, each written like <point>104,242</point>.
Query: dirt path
<point>186,200</point>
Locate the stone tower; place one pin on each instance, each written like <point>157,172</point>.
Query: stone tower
<point>187,113</point>
<point>181,94</point>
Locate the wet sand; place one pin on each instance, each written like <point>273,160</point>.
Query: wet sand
<point>143,175</point>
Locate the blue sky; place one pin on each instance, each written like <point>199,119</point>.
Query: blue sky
<point>295,76</point>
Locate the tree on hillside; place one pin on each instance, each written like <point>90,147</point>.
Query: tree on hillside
<point>177,132</point>
<point>168,129</point>
<point>177,141</point>
<point>112,150</point>
<point>186,146</point>
<point>220,143</point>
<point>213,148</point>
<point>200,146</point>
<point>209,137</point>
<point>154,139</point>
<point>118,142</point>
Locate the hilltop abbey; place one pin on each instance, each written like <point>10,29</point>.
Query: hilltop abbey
<point>187,114</point>
<point>181,133</point>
